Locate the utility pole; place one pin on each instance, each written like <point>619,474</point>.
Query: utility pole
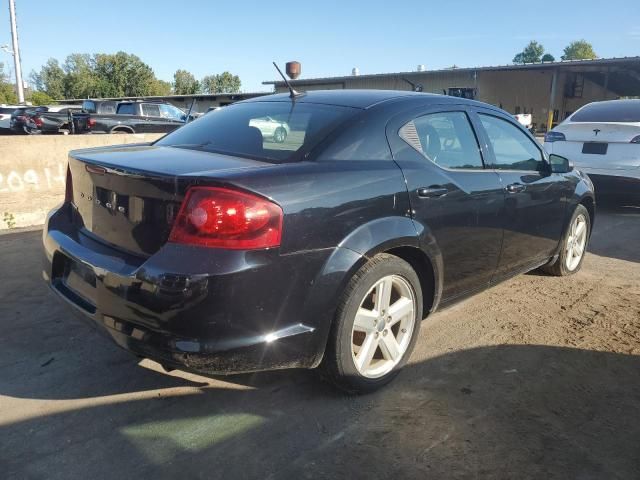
<point>16,51</point>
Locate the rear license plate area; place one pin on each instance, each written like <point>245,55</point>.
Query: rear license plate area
<point>595,148</point>
<point>76,281</point>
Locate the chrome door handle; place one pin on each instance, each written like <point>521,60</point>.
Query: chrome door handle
<point>515,188</point>
<point>433,191</point>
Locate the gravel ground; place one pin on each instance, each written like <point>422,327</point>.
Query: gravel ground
<point>536,378</point>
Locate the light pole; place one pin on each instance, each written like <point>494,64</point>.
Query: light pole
<point>16,51</point>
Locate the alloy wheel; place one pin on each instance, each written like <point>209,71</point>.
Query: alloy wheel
<point>383,326</point>
<point>576,242</point>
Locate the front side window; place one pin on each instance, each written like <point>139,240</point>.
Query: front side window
<point>272,131</point>
<point>150,110</point>
<point>445,138</point>
<point>512,148</point>
<point>171,112</point>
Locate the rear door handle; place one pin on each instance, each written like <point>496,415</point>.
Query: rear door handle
<point>432,191</point>
<point>515,188</point>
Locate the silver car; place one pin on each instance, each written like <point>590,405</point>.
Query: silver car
<point>271,129</point>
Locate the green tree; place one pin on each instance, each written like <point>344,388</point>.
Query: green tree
<point>80,80</point>
<point>184,83</point>
<point>122,75</point>
<point>7,92</point>
<point>160,88</point>
<point>579,50</point>
<point>547,57</point>
<point>50,79</point>
<point>40,98</point>
<point>224,82</point>
<point>532,53</point>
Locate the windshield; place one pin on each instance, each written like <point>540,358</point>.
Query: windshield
<point>272,131</point>
<point>612,111</point>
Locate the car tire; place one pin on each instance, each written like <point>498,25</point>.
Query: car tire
<point>575,239</point>
<point>280,135</point>
<point>348,361</point>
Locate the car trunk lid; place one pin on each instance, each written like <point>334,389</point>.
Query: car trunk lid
<point>129,196</point>
<point>608,132</point>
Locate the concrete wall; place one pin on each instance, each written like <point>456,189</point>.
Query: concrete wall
<point>33,171</point>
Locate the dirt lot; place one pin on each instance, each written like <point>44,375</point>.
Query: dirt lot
<point>536,378</point>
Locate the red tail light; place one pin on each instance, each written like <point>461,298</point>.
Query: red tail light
<point>224,218</point>
<point>68,189</point>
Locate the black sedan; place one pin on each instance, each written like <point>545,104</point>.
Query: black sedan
<point>218,251</point>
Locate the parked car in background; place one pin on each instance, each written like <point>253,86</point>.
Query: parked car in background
<point>271,128</point>
<point>20,118</point>
<point>603,140</point>
<point>524,119</point>
<point>217,250</point>
<point>54,119</point>
<point>136,117</point>
<point>5,116</point>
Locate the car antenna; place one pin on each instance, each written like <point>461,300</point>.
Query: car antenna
<point>293,93</point>
<point>193,101</point>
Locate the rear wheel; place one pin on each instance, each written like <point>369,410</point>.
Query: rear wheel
<point>376,325</point>
<point>574,245</point>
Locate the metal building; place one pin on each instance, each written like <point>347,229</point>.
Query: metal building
<point>550,91</point>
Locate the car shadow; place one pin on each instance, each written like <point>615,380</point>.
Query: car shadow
<point>511,411</point>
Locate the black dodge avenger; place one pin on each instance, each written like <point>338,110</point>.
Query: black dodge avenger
<point>220,249</point>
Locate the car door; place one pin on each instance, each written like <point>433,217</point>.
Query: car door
<point>153,122</point>
<point>451,192</point>
<point>535,198</point>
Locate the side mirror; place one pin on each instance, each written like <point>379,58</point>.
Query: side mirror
<point>560,164</point>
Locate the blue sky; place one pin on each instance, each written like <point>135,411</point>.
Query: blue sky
<point>328,37</point>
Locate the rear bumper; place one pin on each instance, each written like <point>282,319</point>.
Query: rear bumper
<point>210,311</point>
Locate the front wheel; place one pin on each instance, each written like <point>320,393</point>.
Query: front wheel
<point>574,245</point>
<point>376,325</point>
<point>280,135</point>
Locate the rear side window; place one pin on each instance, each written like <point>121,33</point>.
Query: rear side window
<point>107,108</point>
<point>272,131</point>
<point>6,110</point>
<point>150,110</point>
<point>445,138</point>
<point>126,109</point>
<point>612,111</point>
<point>512,148</point>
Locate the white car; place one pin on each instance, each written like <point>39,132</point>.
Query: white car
<point>603,140</point>
<point>524,119</point>
<point>271,129</point>
<point>5,114</point>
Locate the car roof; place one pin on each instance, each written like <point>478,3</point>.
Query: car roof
<point>357,98</point>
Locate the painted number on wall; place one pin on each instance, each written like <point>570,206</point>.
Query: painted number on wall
<point>45,179</point>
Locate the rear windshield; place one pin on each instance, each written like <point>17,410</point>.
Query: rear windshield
<point>613,111</point>
<point>273,131</point>
<point>6,110</point>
